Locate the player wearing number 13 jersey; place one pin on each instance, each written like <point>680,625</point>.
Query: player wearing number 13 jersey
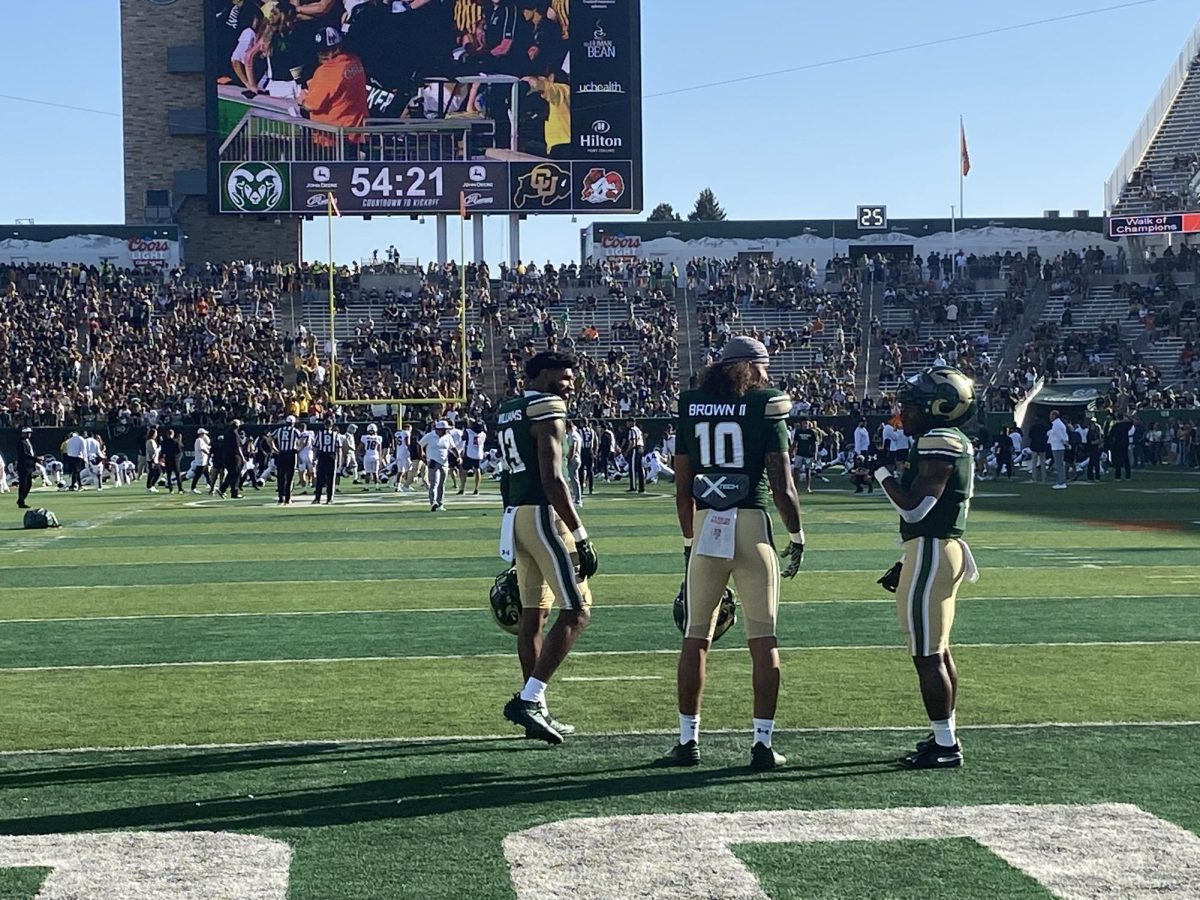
<point>731,457</point>
<point>543,535</point>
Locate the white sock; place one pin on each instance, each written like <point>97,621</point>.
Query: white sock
<point>763,729</point>
<point>689,728</point>
<point>534,690</point>
<point>943,731</point>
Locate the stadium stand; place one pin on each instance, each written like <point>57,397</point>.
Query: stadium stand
<point>1163,178</point>
<point>251,340</point>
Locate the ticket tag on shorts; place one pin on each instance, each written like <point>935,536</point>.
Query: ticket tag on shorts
<point>970,569</point>
<point>508,548</point>
<point>716,538</point>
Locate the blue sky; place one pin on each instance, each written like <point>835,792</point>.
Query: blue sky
<point>1048,109</point>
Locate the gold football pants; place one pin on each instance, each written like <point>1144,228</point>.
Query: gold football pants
<point>546,561</point>
<point>933,570</point>
<point>755,573</point>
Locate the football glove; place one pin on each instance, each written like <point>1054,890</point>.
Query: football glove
<point>794,555</point>
<point>891,578</point>
<point>588,561</point>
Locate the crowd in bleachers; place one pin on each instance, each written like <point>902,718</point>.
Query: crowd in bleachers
<point>208,344</point>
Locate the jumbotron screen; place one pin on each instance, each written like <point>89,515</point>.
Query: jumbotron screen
<point>424,106</point>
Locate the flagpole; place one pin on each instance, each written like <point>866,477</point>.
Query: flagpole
<point>962,145</point>
<point>332,310</point>
<point>462,269</point>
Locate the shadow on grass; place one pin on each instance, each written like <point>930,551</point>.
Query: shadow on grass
<point>382,799</point>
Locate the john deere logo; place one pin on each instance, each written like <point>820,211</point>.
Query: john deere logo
<point>255,188</point>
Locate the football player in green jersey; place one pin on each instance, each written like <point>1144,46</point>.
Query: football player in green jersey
<point>933,497</point>
<point>731,460</point>
<point>543,534</point>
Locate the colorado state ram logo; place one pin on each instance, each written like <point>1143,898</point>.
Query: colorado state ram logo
<point>255,187</point>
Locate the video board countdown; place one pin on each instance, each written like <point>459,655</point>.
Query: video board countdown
<point>406,106</point>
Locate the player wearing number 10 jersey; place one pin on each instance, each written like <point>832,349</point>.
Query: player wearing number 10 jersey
<point>731,457</point>
<point>543,534</point>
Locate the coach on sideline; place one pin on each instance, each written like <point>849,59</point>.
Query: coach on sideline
<point>436,446</point>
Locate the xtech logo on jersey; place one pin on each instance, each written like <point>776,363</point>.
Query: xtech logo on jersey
<point>254,187</point>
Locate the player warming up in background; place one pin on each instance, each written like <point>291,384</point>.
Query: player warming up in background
<point>543,534</point>
<point>731,458</point>
<point>933,497</point>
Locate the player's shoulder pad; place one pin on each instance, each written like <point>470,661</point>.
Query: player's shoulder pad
<point>545,407</point>
<point>944,442</point>
<point>776,404</point>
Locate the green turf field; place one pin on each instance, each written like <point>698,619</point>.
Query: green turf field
<point>348,652</point>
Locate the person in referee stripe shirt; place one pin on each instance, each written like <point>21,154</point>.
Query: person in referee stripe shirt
<point>326,442</point>
<point>285,460</point>
<point>635,448</point>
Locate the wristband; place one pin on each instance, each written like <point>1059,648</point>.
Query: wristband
<point>882,474</point>
<point>579,534</point>
<point>687,543</point>
<point>796,537</point>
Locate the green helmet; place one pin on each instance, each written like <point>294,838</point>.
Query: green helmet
<point>726,617</point>
<point>942,393</point>
<point>506,601</point>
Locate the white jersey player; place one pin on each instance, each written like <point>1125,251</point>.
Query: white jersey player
<point>306,466</point>
<point>403,462</point>
<point>372,445</point>
<point>656,463</point>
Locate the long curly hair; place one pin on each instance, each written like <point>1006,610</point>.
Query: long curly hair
<point>730,379</point>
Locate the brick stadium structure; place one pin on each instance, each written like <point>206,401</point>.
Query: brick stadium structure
<point>166,180</point>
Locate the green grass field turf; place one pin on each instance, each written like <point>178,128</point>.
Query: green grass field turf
<point>167,621</point>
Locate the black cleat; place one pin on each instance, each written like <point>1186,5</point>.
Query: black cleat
<point>528,714</point>
<point>683,755</point>
<point>931,755</point>
<point>764,758</point>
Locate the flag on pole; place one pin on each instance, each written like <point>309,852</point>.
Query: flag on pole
<point>962,141</point>
<point>333,207</point>
<point>462,203</point>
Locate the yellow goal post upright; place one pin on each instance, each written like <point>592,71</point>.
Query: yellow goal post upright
<point>400,402</point>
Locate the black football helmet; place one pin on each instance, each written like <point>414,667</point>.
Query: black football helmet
<point>506,601</point>
<point>726,617</point>
<point>942,393</point>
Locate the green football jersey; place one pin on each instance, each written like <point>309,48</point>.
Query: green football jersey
<point>733,435</point>
<point>948,518</point>
<point>521,480</point>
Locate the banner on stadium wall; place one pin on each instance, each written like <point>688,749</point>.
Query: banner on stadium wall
<point>122,246</point>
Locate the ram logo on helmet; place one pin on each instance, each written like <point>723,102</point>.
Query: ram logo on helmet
<point>941,392</point>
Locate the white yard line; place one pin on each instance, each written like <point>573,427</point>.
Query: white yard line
<point>333,660</point>
<point>302,613</point>
<point>345,743</point>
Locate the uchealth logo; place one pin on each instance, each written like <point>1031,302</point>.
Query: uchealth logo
<point>255,187</point>
<point>546,183</point>
<point>602,186</point>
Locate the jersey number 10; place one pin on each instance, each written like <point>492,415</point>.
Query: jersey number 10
<point>721,446</point>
